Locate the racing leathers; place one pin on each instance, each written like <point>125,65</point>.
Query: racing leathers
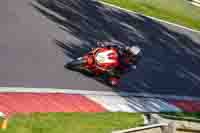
<point>125,64</point>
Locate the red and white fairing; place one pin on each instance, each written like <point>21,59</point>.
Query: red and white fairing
<point>100,60</point>
<point>107,58</point>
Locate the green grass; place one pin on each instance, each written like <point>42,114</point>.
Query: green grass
<point>184,114</point>
<point>176,11</point>
<point>72,122</point>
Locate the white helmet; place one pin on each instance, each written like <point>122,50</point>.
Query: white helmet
<point>134,53</point>
<point>134,50</point>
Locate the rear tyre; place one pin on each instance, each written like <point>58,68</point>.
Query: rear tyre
<point>75,64</point>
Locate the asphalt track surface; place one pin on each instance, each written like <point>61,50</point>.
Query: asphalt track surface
<point>35,45</point>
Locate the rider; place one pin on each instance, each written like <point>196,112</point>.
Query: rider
<point>128,58</point>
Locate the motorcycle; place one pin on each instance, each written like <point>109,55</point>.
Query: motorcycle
<point>98,61</point>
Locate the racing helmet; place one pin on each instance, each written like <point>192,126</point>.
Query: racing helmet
<point>133,52</point>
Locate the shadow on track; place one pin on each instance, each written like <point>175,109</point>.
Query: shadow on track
<point>171,60</point>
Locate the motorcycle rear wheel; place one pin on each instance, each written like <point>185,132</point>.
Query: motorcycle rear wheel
<point>77,63</point>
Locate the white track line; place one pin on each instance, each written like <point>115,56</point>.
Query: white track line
<point>87,92</point>
<point>62,18</point>
<point>170,23</point>
<point>133,104</point>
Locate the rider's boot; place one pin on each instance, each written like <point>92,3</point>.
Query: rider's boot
<point>113,81</point>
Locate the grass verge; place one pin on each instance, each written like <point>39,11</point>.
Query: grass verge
<point>176,11</point>
<point>72,122</point>
<point>182,116</point>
